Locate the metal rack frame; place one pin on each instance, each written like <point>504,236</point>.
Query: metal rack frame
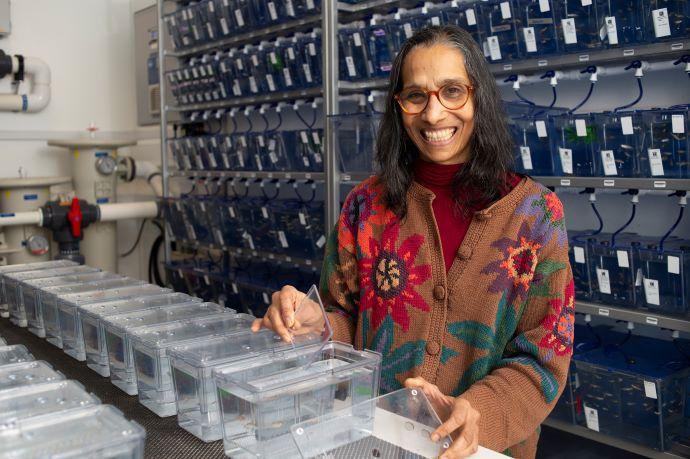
<point>331,89</point>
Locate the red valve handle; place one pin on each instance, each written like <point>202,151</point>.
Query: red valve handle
<point>75,217</point>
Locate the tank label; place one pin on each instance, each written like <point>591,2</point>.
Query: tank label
<point>30,197</point>
<point>603,280</point>
<point>661,24</point>
<point>678,124</point>
<point>673,265</point>
<point>651,291</point>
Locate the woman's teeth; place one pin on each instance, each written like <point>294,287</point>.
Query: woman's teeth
<point>438,135</point>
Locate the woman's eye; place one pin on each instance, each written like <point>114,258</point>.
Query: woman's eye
<point>416,96</point>
<point>453,91</point>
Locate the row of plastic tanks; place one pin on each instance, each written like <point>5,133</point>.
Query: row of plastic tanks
<point>202,362</point>
<point>641,143</point>
<point>632,271</point>
<point>206,21</point>
<point>45,415</point>
<point>291,227</point>
<point>298,151</point>
<point>286,64</point>
<point>246,283</point>
<point>630,387</point>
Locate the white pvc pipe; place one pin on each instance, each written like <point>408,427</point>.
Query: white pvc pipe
<point>21,218</point>
<point>124,210</point>
<point>39,97</point>
<point>144,170</point>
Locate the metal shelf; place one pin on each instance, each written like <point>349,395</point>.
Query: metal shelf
<point>633,315</point>
<point>607,440</point>
<point>356,86</point>
<point>249,100</point>
<point>621,183</point>
<point>265,33</point>
<point>255,254</point>
<point>355,177</point>
<point>352,12</point>
<point>653,51</point>
<point>317,176</point>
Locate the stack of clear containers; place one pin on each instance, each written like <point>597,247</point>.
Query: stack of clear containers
<point>620,22</point>
<point>96,431</point>
<point>14,354</point>
<point>120,325</point>
<point>262,397</point>
<point>32,292</point>
<point>578,254</point>
<point>93,328</point>
<point>355,141</point>
<point>398,424</point>
<point>68,310</point>
<point>577,24</point>
<point>49,302</point>
<point>665,277</point>
<point>536,27</point>
<point>666,143</point>
<point>501,40</point>
<point>45,398</point>
<point>4,312</point>
<point>192,364</point>
<point>573,142</point>
<point>619,138</point>
<point>531,135</point>
<point>14,286</point>
<point>26,373</point>
<point>666,19</point>
<point>149,346</point>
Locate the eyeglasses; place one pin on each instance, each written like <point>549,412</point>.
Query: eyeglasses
<point>452,96</point>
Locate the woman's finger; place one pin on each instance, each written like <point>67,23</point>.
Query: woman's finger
<point>277,324</point>
<point>287,298</point>
<point>454,422</point>
<point>460,448</point>
<point>256,325</point>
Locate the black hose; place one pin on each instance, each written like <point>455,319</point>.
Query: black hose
<point>136,243</point>
<point>154,270</point>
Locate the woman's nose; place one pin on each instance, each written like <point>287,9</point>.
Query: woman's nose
<point>434,111</point>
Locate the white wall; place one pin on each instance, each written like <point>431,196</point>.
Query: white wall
<point>88,46</point>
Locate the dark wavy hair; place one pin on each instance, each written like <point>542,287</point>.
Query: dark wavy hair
<point>491,145</point>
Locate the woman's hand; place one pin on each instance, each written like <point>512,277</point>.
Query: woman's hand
<point>291,313</point>
<point>460,420</point>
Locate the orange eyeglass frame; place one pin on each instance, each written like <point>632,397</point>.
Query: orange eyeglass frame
<point>470,90</point>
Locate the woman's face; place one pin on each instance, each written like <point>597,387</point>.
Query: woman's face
<point>441,135</point>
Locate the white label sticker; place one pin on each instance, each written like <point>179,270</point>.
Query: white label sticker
<point>673,264</point>
<point>287,76</point>
<point>273,157</point>
<point>235,290</point>
<point>581,128</point>
<point>505,10</point>
<point>267,300</point>
<point>592,418</point>
<point>289,8</point>
<point>255,60</point>
<point>224,26</point>
<point>407,28</point>
<point>231,211</point>
<point>239,18</point>
<point>579,254</point>
<point>272,11</point>
<point>291,53</point>
<point>320,242</point>
<point>307,72</point>
<point>609,161</point>
<point>315,137</point>
<point>283,239</point>
<point>351,71</point>
<point>627,125</point>
<point>272,144</point>
<point>569,31</point>
<point>471,17</point>
<point>273,57</point>
<point>650,387</point>
<point>310,4</point>
<point>638,278</point>
<point>611,30</point>
<point>655,162</point>
<point>544,6</point>
<point>662,27</point>
<point>312,49</point>
<point>357,39</point>
<point>566,155</point>
<point>604,312</point>
<point>239,64</point>
<point>586,2</point>
<point>651,291</point>
<point>530,40</point>
<point>252,85</point>
<point>526,158</point>
<point>302,219</point>
<point>678,124</point>
<point>271,83</point>
<point>604,282</point>
<point>623,261</point>
<point>435,21</point>
<point>264,213</point>
<point>541,128</point>
<point>494,48</point>
<point>305,138</point>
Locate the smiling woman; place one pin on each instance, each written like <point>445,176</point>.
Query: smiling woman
<point>450,265</point>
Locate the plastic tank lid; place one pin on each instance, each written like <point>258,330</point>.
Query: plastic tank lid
<point>48,273</point>
<point>16,353</point>
<point>113,307</point>
<point>309,314</point>
<point>68,279</point>
<point>25,373</point>
<point>107,289</point>
<point>75,432</point>
<point>169,333</point>
<point>36,266</point>
<point>85,286</point>
<point>161,314</point>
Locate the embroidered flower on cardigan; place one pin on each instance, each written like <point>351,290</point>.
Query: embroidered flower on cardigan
<point>517,267</point>
<point>358,208</point>
<point>560,324</point>
<point>548,210</point>
<point>388,276</point>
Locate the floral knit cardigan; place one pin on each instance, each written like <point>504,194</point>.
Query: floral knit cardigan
<point>497,329</point>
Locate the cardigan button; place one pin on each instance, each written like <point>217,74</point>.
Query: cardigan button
<point>440,292</point>
<point>482,216</point>
<point>464,253</point>
<point>433,348</point>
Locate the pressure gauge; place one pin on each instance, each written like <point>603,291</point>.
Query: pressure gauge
<point>106,165</point>
<point>37,245</point>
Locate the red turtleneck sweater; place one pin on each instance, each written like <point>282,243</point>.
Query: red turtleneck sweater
<point>452,224</point>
